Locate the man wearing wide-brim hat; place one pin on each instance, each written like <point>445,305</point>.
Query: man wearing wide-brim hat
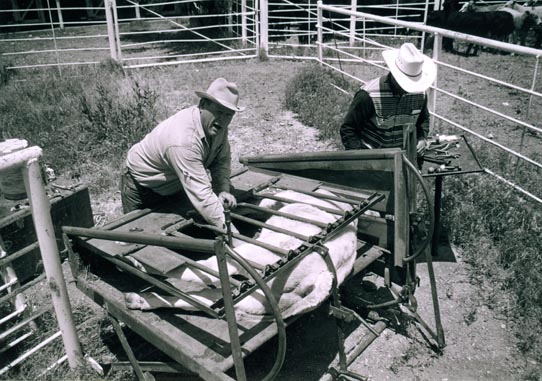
<point>187,153</point>
<point>385,106</point>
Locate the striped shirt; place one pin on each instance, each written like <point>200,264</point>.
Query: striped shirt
<point>377,116</point>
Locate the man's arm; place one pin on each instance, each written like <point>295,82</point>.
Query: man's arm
<point>220,174</point>
<point>188,164</point>
<point>360,111</point>
<point>422,124</point>
<point>422,128</point>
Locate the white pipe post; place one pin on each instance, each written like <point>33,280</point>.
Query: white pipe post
<point>117,32</point>
<point>229,17</point>
<point>244,23</point>
<point>264,28</point>
<point>437,45</point>
<point>396,18</point>
<point>354,8</point>
<point>137,10</point>
<point>59,12</point>
<point>256,24</point>
<point>533,84</point>
<point>43,225</point>
<point>110,30</point>
<point>319,24</point>
<point>425,12</point>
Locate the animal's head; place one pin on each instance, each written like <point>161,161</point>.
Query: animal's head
<point>530,20</point>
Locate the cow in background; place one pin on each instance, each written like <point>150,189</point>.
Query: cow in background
<point>498,25</point>
<point>525,18</point>
<point>536,10</point>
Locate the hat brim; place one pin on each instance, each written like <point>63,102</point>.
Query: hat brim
<point>203,94</point>
<point>416,84</point>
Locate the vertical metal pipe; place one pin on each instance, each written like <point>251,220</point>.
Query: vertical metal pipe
<point>319,31</point>
<point>437,46</point>
<point>353,8</point>
<point>244,23</point>
<point>59,12</point>
<point>116,29</point>
<point>43,224</point>
<point>110,30</point>
<point>528,109</point>
<point>425,11</point>
<point>229,311</point>
<point>54,37</point>
<point>396,18</point>
<point>264,28</point>
<point>137,10</point>
<point>255,25</point>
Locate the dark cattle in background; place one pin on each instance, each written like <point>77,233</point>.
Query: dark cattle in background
<point>497,25</point>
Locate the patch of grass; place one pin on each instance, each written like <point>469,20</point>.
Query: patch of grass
<point>502,235</point>
<point>313,96</point>
<point>85,118</point>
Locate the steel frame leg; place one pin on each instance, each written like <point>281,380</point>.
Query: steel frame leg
<point>126,346</point>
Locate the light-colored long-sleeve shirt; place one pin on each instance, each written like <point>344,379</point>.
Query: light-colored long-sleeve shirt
<point>176,155</point>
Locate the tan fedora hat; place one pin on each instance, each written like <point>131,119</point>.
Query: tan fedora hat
<point>222,92</point>
<point>412,70</point>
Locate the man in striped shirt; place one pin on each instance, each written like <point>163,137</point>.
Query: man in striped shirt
<point>386,107</point>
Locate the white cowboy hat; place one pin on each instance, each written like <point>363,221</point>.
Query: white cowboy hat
<point>412,70</point>
<point>222,92</point>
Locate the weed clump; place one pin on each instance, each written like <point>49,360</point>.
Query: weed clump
<point>314,95</point>
<point>88,119</point>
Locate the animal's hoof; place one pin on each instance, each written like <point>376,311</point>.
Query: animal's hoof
<point>134,302</point>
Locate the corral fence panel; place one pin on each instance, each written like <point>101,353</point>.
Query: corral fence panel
<point>135,33</point>
<point>293,23</point>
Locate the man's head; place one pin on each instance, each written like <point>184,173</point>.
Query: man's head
<point>411,70</point>
<point>218,106</point>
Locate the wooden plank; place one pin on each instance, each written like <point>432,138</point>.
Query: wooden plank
<point>158,259</point>
<point>378,231</point>
<point>199,343</point>
<point>367,254</point>
<point>248,180</point>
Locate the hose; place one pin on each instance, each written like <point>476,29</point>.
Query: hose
<point>281,328</point>
<point>431,212</point>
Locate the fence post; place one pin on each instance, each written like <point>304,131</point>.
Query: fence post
<point>229,17</point>
<point>264,28</point>
<point>43,225</point>
<point>533,84</point>
<point>110,30</point>
<point>137,10</point>
<point>244,22</point>
<point>117,31</point>
<point>425,12</point>
<point>59,12</point>
<point>319,31</point>
<point>437,44</point>
<point>353,8</point>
